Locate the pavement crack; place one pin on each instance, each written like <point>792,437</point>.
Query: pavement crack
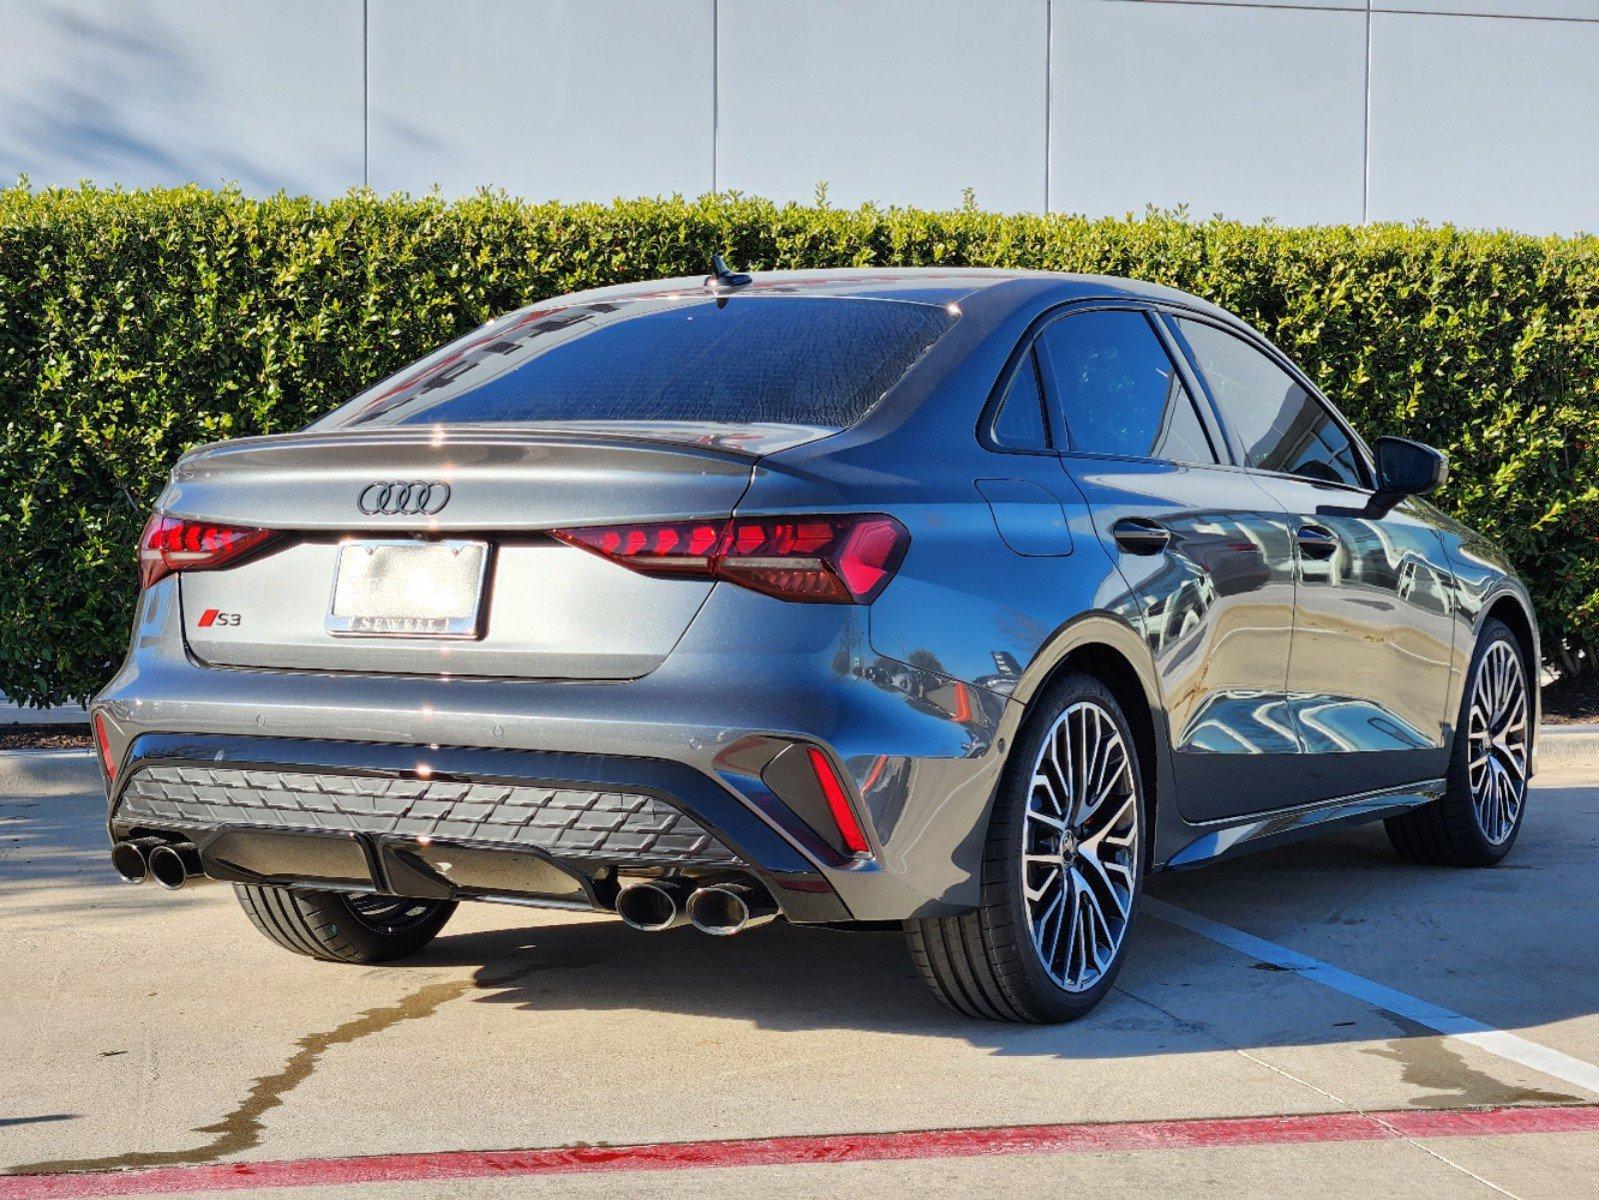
<point>243,1127</point>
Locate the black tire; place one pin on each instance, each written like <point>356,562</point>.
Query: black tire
<point>1448,832</point>
<point>336,927</point>
<point>984,963</point>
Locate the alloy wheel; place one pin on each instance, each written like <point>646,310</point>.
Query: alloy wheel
<point>1080,847</point>
<point>391,914</point>
<point>1497,767</point>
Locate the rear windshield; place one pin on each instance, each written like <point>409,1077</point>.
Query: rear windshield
<point>768,359</point>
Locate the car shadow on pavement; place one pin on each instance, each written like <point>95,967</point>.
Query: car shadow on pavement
<point>779,978</point>
<point>1512,947</point>
<point>1499,946</point>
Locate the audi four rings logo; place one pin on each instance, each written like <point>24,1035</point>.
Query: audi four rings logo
<point>418,498</point>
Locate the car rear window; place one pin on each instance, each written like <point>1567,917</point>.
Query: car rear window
<point>782,359</point>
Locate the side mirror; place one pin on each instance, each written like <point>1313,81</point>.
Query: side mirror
<point>1406,468</point>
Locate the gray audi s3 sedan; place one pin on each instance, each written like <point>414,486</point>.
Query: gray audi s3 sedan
<point>957,600</point>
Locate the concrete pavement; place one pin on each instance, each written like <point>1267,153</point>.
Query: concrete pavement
<point>148,1029</point>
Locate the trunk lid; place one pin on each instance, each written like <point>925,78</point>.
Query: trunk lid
<point>545,610</point>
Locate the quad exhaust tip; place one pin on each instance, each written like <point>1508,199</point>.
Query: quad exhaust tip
<point>654,905</point>
<point>127,859</point>
<point>721,910</point>
<point>728,908</point>
<point>173,865</point>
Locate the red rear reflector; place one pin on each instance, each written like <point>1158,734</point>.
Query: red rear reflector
<point>823,559</point>
<point>963,704</point>
<point>169,545</point>
<point>103,740</point>
<point>838,803</point>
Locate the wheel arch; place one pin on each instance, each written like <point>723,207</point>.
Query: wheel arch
<point>1510,610</point>
<point>1112,651</point>
<point>1516,614</point>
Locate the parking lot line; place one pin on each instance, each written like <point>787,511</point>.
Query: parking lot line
<point>1084,1138</point>
<point>1445,1021</point>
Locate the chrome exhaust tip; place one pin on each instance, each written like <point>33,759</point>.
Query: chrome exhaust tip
<point>653,906</point>
<point>127,859</point>
<point>173,865</point>
<point>728,908</point>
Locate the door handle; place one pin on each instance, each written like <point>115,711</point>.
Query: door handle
<point>1316,542</point>
<point>1140,535</point>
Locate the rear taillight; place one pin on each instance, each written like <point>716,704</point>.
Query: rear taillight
<point>169,545</point>
<point>822,559</point>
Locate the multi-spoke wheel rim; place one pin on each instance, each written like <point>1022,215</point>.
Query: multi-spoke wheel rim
<point>1080,847</point>
<point>1497,770</point>
<point>391,914</point>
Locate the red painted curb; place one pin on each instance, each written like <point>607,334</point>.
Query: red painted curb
<point>826,1148</point>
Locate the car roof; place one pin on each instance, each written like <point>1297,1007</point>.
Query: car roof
<point>928,285</point>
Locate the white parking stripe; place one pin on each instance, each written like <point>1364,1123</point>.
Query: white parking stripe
<point>1451,1024</point>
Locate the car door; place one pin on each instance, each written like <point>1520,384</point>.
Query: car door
<point>1372,641</point>
<point>1204,552</point>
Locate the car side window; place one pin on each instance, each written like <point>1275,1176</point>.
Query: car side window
<point>1283,427</point>
<point>1019,424</point>
<point>1119,391</point>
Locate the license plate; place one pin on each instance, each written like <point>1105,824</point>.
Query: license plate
<point>408,589</point>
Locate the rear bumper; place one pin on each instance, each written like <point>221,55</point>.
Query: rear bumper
<point>704,735</point>
<point>450,823</point>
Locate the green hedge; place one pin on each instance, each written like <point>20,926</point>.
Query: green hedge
<point>135,325</point>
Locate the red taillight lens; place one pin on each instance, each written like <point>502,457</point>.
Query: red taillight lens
<point>823,559</point>
<point>849,828</point>
<point>169,544</point>
<point>671,548</point>
<point>102,740</point>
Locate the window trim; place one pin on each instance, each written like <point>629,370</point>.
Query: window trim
<point>1216,430</point>
<point>1027,359</point>
<point>1258,343</point>
<point>1219,445</point>
<point>1023,350</point>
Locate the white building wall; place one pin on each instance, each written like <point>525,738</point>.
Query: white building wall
<point>901,100</point>
<point>1486,121</point>
<point>148,93</point>
<point>1249,111</point>
<point>554,99</point>
<point>1483,112</point>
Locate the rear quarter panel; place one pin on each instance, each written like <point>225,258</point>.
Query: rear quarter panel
<point>965,612</point>
<point>963,604</point>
